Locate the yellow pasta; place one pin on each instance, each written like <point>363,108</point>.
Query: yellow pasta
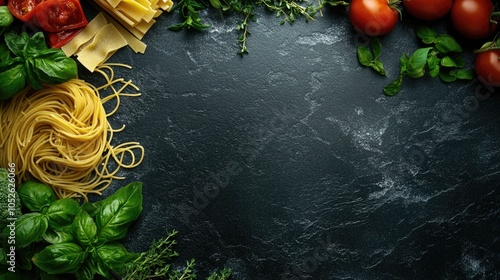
<point>61,136</point>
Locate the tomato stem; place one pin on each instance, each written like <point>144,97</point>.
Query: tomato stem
<point>493,16</point>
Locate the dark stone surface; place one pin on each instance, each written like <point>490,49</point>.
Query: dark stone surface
<point>291,162</point>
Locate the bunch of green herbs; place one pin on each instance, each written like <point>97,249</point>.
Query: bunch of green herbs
<point>286,10</point>
<point>61,239</point>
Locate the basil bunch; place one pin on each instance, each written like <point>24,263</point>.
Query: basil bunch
<point>26,60</point>
<point>82,240</point>
<point>442,58</point>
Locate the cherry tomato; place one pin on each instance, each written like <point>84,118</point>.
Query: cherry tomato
<point>428,9</point>
<point>487,66</point>
<point>23,9</point>
<point>471,18</point>
<point>373,17</point>
<point>60,15</point>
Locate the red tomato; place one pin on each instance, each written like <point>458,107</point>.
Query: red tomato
<point>471,18</point>
<point>373,17</point>
<point>23,9</point>
<point>428,9</point>
<point>487,66</point>
<point>59,39</point>
<point>60,15</point>
<point>2,3</point>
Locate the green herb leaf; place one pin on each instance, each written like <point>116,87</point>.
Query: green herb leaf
<point>86,271</point>
<point>54,67</point>
<point>59,235</point>
<point>84,228</point>
<point>465,74</point>
<point>446,44</point>
<point>376,47</point>
<point>114,256</point>
<point>35,46</point>
<point>394,87</point>
<point>92,208</point>
<point>30,228</point>
<point>433,65</point>
<point>62,212</point>
<point>449,76</point>
<point>118,211</point>
<point>216,4</point>
<point>6,17</point>
<point>427,34</point>
<point>60,258</point>
<point>448,62</point>
<point>417,62</point>
<point>35,195</point>
<point>16,42</point>
<point>364,56</point>
<point>13,81</point>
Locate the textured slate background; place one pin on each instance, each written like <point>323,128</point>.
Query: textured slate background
<point>291,163</point>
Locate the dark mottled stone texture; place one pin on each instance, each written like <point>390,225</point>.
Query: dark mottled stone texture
<point>291,163</point>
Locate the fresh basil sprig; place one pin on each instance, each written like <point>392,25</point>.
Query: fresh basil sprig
<point>442,58</point>
<point>28,61</point>
<point>369,56</point>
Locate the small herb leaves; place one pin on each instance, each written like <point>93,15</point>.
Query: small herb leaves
<point>442,58</point>
<point>286,10</point>
<point>369,56</point>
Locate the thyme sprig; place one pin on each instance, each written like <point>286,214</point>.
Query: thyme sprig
<point>155,263</point>
<point>287,10</point>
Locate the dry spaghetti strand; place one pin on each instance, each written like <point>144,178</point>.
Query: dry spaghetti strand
<point>61,136</point>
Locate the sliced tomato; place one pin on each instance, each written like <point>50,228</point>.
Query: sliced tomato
<point>23,9</point>
<point>60,15</point>
<point>61,38</point>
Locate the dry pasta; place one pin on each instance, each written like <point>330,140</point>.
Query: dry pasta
<point>61,136</point>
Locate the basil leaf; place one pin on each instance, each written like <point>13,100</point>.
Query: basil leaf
<point>118,211</point>
<point>16,42</point>
<point>394,87</point>
<point>6,17</point>
<point>5,57</point>
<point>33,80</point>
<point>465,74</point>
<point>86,271</point>
<point>92,208</point>
<point>427,34</point>
<point>62,212</point>
<point>84,228</point>
<point>35,195</point>
<point>445,44</point>
<point>35,45</point>
<point>433,65</point>
<point>416,63</point>
<point>376,47</point>
<point>30,228</point>
<point>13,81</point>
<point>403,64</point>
<point>114,256</point>
<point>378,67</point>
<point>54,67</point>
<point>364,56</point>
<point>216,4</point>
<point>460,61</point>
<point>448,62</point>
<point>60,258</point>
<point>59,235</point>
<point>448,77</point>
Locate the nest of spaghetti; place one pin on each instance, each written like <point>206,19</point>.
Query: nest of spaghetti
<point>60,135</point>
